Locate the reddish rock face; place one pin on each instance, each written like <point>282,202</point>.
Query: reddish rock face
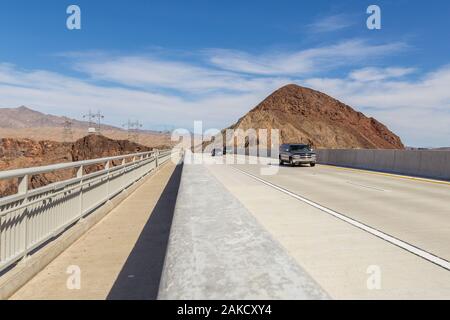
<point>97,146</point>
<point>309,116</point>
<point>25,153</point>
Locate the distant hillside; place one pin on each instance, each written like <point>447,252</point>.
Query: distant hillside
<point>428,148</point>
<point>24,117</point>
<point>308,116</point>
<point>442,149</point>
<point>23,123</point>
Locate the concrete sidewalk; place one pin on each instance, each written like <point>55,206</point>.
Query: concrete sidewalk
<point>122,256</point>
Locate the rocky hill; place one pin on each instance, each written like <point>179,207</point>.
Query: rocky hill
<point>309,116</point>
<point>23,153</point>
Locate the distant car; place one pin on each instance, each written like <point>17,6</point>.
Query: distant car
<point>294,154</point>
<point>216,152</point>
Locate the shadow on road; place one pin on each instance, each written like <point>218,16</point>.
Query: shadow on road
<point>140,276</point>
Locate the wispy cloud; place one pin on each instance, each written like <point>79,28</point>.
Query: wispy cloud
<point>377,74</point>
<point>59,94</point>
<point>303,62</point>
<point>154,73</point>
<point>331,23</point>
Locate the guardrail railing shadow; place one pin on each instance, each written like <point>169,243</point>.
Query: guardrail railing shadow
<point>146,260</point>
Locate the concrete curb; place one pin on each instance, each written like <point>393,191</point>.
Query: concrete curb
<point>26,269</point>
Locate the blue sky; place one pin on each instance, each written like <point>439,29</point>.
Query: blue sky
<point>169,63</point>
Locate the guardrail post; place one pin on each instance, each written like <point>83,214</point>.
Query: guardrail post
<point>23,189</point>
<point>107,165</point>
<point>80,173</point>
<point>23,184</point>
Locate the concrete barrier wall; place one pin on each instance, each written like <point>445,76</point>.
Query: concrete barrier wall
<point>420,163</point>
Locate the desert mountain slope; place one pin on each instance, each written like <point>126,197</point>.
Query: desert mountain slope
<point>309,116</point>
<point>23,117</point>
<point>25,123</point>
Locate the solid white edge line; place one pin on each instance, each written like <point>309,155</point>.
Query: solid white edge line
<point>399,243</point>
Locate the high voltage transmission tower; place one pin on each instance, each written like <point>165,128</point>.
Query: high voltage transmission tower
<point>95,121</point>
<point>133,130</point>
<point>67,131</point>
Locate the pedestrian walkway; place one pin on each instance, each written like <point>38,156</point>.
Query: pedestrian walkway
<point>123,255</point>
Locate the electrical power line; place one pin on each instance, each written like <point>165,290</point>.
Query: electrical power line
<point>67,131</point>
<point>94,120</point>
<point>133,128</point>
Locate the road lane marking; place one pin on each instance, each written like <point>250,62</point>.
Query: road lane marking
<point>386,174</point>
<point>364,186</point>
<point>391,239</point>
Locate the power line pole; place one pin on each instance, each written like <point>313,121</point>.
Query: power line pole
<point>133,130</point>
<point>94,120</point>
<point>67,131</point>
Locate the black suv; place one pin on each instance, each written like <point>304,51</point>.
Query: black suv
<point>216,152</point>
<point>297,154</point>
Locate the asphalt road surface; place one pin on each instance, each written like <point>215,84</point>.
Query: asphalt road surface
<point>359,234</point>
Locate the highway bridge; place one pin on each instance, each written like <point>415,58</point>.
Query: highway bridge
<point>231,227</point>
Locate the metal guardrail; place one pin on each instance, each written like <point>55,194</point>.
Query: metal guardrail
<point>31,217</point>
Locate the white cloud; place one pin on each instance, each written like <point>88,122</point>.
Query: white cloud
<point>58,94</point>
<point>377,74</point>
<point>150,73</point>
<point>303,62</point>
<point>418,127</point>
<point>331,23</point>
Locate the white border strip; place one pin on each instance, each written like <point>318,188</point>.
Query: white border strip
<point>399,243</point>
